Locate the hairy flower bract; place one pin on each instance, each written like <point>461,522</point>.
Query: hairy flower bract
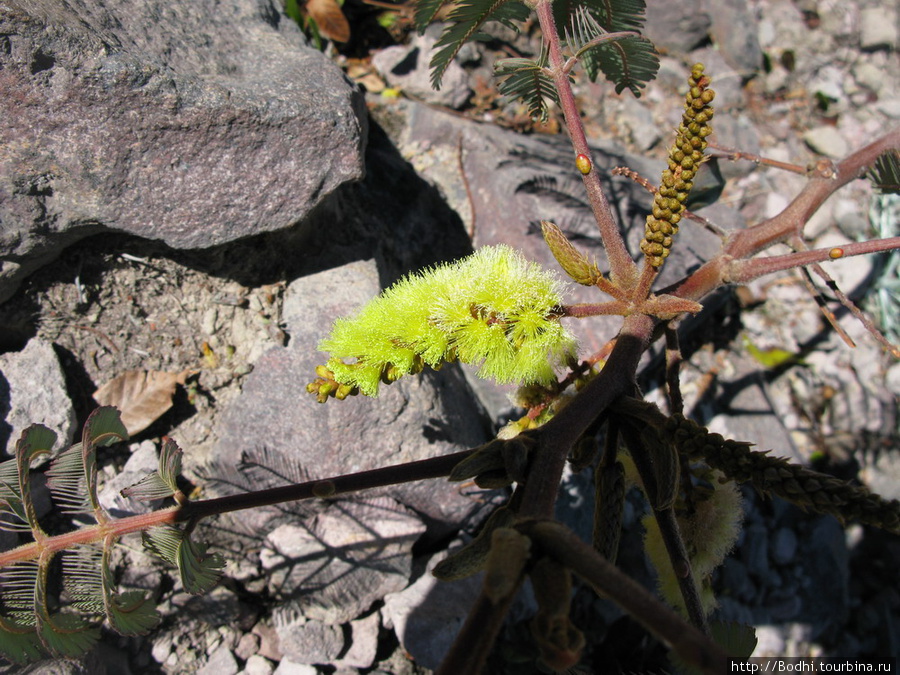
<point>493,308</point>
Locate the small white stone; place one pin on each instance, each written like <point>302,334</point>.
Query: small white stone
<point>878,28</point>
<point>826,140</point>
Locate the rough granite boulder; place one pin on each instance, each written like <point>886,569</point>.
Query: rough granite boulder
<point>191,123</point>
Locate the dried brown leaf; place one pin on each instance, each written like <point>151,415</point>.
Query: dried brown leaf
<point>329,18</point>
<point>142,396</point>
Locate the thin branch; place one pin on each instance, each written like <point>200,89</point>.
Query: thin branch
<point>691,645</point>
<point>435,467</point>
<point>742,271</point>
<point>795,216</point>
<point>733,154</point>
<point>623,270</point>
<point>668,527</point>
<point>652,189</point>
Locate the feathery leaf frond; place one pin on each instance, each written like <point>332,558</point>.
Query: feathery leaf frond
<point>163,482</point>
<point>73,475</point>
<point>465,21</point>
<point>627,61</point>
<point>885,175</point>
<point>36,440</point>
<point>89,582</point>
<point>426,11</point>
<point>528,80</point>
<point>199,571</point>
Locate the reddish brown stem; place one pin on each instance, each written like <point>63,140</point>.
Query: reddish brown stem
<point>741,271</point>
<point>623,270</point>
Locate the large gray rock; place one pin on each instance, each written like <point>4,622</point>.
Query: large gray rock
<point>193,123</point>
<point>414,418</point>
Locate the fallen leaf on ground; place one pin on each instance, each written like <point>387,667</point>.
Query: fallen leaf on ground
<point>142,396</point>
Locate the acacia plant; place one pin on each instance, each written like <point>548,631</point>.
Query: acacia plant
<point>505,314</point>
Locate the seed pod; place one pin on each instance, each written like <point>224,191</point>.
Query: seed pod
<point>505,563</point>
<point>471,558</point>
<point>584,164</point>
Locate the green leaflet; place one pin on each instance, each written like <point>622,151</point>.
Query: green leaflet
<point>30,625</point>
<point>885,175</point>
<point>493,308</point>
<point>73,475</point>
<point>629,62</point>
<point>199,571</point>
<point>163,482</point>
<point>464,23</point>
<point>88,577</point>
<point>527,79</point>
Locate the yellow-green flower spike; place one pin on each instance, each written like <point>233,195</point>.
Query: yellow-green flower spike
<point>685,157</point>
<point>493,308</point>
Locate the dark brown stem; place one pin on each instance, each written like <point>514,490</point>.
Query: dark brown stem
<point>559,434</point>
<point>436,467</point>
<point>475,639</point>
<point>691,645</point>
<point>673,369</point>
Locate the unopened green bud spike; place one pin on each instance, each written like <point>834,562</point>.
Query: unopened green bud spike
<point>685,158</point>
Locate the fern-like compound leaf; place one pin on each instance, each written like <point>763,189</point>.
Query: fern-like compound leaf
<point>19,644</point>
<point>66,635</point>
<point>73,475</point>
<point>529,81</point>
<point>91,587</point>
<point>12,511</point>
<point>465,22</point>
<point>199,571</point>
<point>885,175</point>
<point>629,62</point>
<point>36,441</point>
<point>17,582</point>
<point>163,482</point>
<point>67,482</point>
<point>426,11</point>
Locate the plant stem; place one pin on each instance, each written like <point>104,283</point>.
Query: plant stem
<point>623,270</point>
<point>474,642</point>
<point>741,271</point>
<point>688,642</point>
<point>558,435</point>
<point>435,467</point>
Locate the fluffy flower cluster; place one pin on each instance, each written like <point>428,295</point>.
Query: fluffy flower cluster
<point>685,157</point>
<point>493,308</point>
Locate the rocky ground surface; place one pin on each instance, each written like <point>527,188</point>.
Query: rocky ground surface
<point>343,587</point>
